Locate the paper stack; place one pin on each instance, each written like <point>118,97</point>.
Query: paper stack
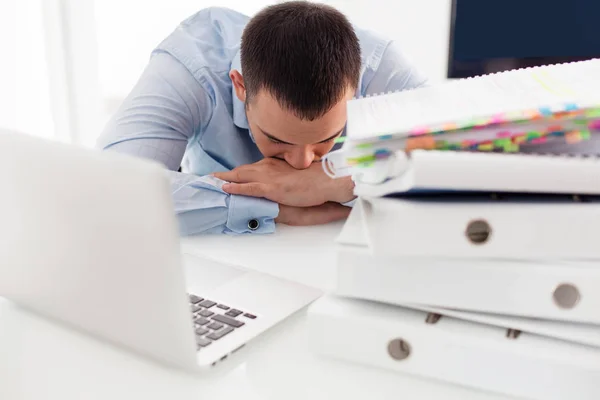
<point>472,255</point>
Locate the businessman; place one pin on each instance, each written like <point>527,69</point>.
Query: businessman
<point>246,108</point>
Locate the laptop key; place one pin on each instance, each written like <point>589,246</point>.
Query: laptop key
<point>233,312</point>
<point>201,331</point>
<point>219,334</point>
<point>227,320</point>
<point>222,307</point>
<point>205,313</point>
<point>201,321</point>
<point>248,315</point>
<point>214,326</point>
<point>207,303</point>
<point>203,342</point>
<point>196,307</point>
<point>195,299</point>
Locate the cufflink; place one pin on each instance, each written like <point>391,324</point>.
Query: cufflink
<point>253,224</point>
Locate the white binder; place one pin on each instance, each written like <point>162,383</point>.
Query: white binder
<point>461,352</point>
<point>483,227</point>
<point>555,290</point>
<point>571,332</point>
<point>442,171</point>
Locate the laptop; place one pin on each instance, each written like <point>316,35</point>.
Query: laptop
<point>90,239</point>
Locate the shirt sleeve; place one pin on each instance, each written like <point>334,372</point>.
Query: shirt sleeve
<point>161,114</point>
<point>395,73</point>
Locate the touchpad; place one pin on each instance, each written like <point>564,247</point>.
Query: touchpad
<point>203,275</point>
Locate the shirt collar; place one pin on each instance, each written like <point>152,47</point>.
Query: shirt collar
<point>239,108</point>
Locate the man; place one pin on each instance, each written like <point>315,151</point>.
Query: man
<point>255,102</point>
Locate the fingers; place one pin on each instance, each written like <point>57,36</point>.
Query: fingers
<point>253,189</point>
<point>238,175</point>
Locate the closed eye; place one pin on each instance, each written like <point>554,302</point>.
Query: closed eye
<point>331,139</point>
<point>275,141</point>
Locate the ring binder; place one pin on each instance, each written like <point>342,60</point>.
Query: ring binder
<point>512,333</point>
<point>491,112</point>
<point>476,355</point>
<point>478,231</point>
<point>399,349</point>
<point>432,318</point>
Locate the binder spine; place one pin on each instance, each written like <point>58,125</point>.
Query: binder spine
<point>460,352</point>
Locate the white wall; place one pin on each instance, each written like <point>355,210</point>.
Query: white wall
<point>127,35</point>
<point>24,96</point>
<point>421,27</point>
<point>128,30</point>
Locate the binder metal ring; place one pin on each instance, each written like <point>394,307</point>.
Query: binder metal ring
<point>399,349</point>
<point>478,231</point>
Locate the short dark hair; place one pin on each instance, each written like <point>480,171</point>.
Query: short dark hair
<point>304,54</point>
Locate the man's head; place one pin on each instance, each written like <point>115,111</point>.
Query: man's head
<point>301,63</point>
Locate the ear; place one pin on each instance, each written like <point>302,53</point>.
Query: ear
<point>238,83</point>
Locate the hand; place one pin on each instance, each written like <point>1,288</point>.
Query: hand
<point>316,215</point>
<point>277,181</point>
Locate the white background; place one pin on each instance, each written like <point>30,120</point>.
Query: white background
<point>67,64</point>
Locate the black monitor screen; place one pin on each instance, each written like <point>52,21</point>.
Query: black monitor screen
<point>497,35</point>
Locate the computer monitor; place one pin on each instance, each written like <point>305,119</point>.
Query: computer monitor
<point>498,35</point>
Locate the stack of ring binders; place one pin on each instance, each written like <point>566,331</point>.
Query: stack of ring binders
<point>472,254</point>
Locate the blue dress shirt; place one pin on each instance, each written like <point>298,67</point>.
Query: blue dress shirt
<point>183,112</point>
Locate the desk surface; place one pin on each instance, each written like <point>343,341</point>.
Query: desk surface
<point>42,360</point>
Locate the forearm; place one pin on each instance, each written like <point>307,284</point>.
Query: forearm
<point>202,206</point>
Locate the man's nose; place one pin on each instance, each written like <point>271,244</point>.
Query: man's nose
<point>301,158</point>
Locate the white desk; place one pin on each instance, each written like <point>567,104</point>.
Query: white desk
<point>43,360</point>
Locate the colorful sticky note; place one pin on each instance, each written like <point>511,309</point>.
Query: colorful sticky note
<point>594,125</point>
<point>593,113</point>
<point>449,127</point>
<point>519,139</point>
<point>381,154</point>
<point>531,114</point>
<point>571,107</point>
<point>573,137</point>
<point>585,134</point>
<point>423,142</point>
<point>545,111</point>
<point>419,131</point>
<point>511,148</point>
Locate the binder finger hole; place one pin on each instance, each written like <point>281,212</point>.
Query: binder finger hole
<point>478,231</point>
<point>566,296</point>
<point>399,349</point>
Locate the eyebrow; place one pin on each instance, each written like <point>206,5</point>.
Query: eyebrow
<point>284,142</point>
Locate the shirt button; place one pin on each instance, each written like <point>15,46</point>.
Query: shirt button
<point>253,224</point>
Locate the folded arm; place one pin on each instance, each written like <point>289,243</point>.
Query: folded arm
<point>166,109</point>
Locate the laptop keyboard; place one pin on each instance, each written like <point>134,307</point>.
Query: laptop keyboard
<point>213,321</point>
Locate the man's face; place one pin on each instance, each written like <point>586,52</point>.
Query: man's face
<point>279,133</point>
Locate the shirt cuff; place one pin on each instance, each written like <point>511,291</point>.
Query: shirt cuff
<point>251,215</point>
<point>350,203</point>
